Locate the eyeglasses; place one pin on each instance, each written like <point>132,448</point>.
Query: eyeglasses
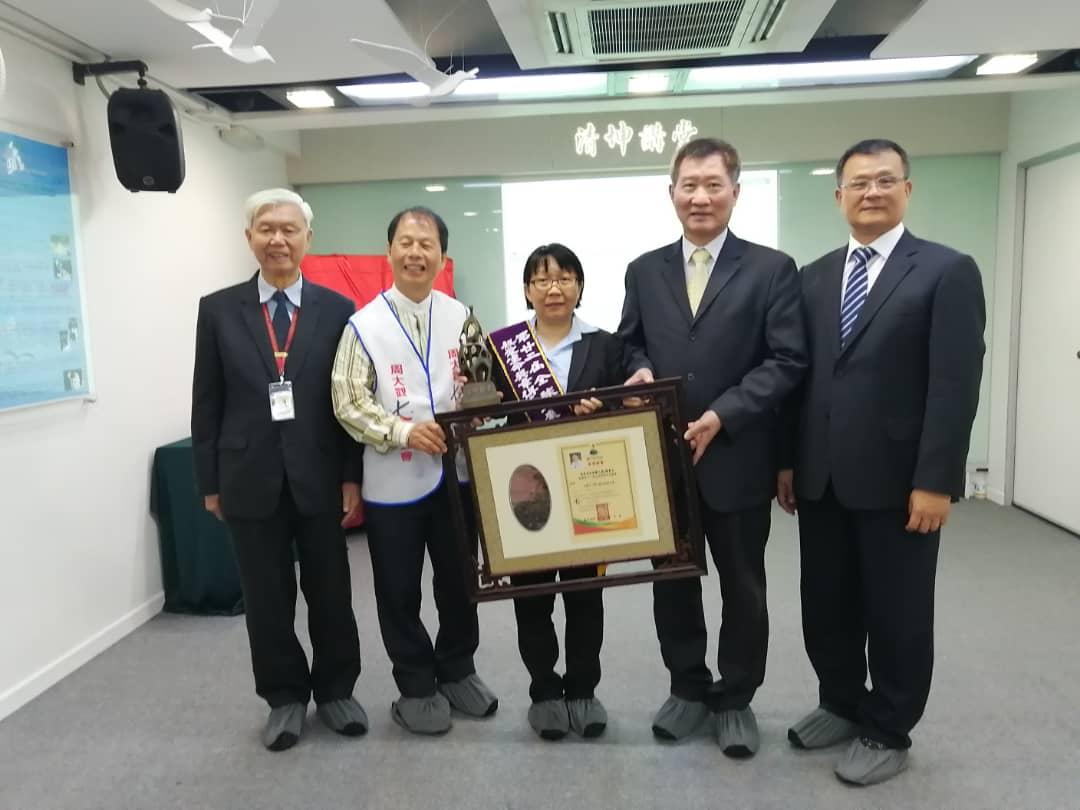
<point>543,284</point>
<point>886,183</point>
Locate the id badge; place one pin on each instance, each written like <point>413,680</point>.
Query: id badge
<point>282,408</point>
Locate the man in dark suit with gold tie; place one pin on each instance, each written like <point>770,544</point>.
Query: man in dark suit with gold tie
<point>723,314</point>
<point>879,442</point>
<point>274,464</point>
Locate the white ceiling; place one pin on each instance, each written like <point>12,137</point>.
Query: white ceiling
<point>309,38</point>
<point>948,27</point>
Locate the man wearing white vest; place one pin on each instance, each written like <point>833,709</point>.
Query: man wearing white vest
<point>396,366</point>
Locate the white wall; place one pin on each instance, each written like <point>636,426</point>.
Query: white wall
<point>79,564</point>
<point>544,144</point>
<point>1040,124</point>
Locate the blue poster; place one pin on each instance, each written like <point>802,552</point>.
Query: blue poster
<point>42,335</point>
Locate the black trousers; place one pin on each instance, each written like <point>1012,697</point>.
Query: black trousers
<point>268,580</point>
<point>539,646</point>
<point>397,537</point>
<point>737,544</point>
<point>868,599</point>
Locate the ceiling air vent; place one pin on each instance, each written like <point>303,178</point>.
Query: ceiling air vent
<point>560,32</point>
<point>670,28</point>
<point>583,31</point>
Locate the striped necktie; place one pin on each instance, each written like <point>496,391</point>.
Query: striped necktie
<point>858,288</point>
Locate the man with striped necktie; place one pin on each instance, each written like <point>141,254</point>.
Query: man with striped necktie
<point>878,442</point>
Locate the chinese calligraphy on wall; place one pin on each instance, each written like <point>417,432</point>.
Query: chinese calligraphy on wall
<point>650,138</point>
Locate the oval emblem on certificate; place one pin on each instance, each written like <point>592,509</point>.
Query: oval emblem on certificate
<point>530,498</point>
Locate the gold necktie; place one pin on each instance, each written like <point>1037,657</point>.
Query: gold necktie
<point>695,288</point>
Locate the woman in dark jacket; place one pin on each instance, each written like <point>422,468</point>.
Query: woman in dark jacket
<point>579,357</point>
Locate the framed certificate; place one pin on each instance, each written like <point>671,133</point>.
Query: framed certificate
<point>592,491</point>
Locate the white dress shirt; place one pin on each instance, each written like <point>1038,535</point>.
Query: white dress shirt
<point>883,247</point>
<point>560,355</point>
<point>292,293</point>
<point>713,247</point>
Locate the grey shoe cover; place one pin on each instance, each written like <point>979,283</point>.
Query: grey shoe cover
<point>283,727</point>
<point>549,719</point>
<point>737,732</point>
<point>678,718</point>
<point>426,715</point>
<point>821,729</point>
<point>471,696</point>
<point>344,716</point>
<point>588,717</point>
<point>866,762</point>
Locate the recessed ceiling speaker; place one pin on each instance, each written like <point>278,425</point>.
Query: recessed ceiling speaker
<point>147,146</point>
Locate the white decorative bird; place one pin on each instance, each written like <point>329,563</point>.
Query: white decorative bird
<point>241,45</point>
<point>420,67</point>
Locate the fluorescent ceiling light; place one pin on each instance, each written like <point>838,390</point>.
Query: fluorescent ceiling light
<point>557,85</point>
<point>648,83</point>
<point>470,213</point>
<point>795,74</point>
<point>384,91</point>
<point>822,172</point>
<point>435,187</point>
<point>312,99</point>
<point>1007,63</point>
<point>561,85</point>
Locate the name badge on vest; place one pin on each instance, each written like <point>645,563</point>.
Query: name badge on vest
<point>282,408</point>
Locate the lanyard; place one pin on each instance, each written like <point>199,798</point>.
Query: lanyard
<point>280,354</point>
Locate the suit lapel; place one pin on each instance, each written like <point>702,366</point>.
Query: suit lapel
<point>833,290</point>
<point>900,263</point>
<point>310,299</point>
<point>726,266</point>
<point>578,359</point>
<point>252,313</point>
<point>674,274</point>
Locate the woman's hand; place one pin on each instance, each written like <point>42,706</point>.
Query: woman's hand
<point>587,406</point>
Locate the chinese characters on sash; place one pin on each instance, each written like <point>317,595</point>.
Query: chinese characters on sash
<point>525,366</point>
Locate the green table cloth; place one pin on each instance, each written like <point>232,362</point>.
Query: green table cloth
<point>198,566</point>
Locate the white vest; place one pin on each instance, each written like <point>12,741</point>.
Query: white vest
<point>413,382</point>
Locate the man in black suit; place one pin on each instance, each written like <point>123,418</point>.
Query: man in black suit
<point>272,462</point>
<point>723,314</point>
<point>895,328</point>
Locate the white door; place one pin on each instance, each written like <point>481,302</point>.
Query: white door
<point>1047,469</point>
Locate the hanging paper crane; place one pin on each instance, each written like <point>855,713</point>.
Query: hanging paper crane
<point>241,45</point>
<point>420,67</point>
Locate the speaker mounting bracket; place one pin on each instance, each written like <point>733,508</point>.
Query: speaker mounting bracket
<point>80,70</point>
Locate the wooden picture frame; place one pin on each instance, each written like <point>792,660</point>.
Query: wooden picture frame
<point>616,486</point>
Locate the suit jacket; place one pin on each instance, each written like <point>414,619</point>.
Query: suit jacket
<point>740,355</point>
<point>892,410</point>
<point>596,362</point>
<point>240,452</point>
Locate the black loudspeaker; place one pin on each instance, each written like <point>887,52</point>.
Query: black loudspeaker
<point>147,147</point>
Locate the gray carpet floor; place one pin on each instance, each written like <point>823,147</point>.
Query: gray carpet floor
<point>166,718</point>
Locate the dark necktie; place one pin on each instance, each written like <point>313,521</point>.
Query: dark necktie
<point>281,319</point>
<point>855,295</point>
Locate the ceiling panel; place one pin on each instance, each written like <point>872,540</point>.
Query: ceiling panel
<point>306,46</point>
<point>985,26</point>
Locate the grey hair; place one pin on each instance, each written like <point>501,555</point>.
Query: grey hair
<point>275,196</point>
